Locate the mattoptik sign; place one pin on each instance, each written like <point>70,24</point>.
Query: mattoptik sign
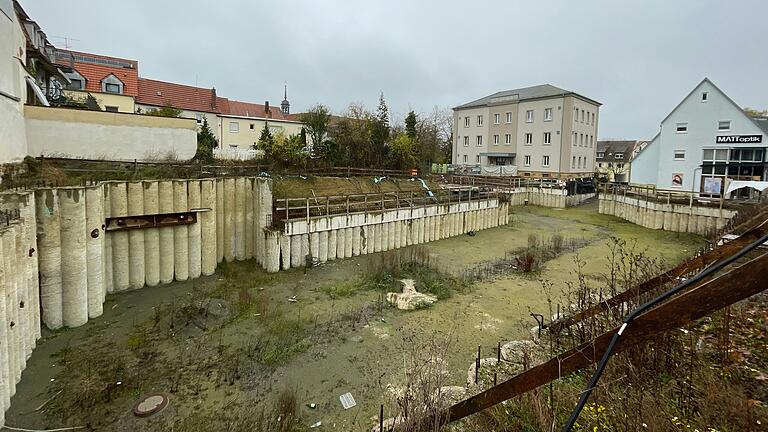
<point>739,139</point>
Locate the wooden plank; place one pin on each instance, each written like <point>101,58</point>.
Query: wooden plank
<point>727,289</point>
<point>687,267</point>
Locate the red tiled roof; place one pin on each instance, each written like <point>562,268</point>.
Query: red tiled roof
<point>94,68</point>
<point>247,109</point>
<point>161,93</point>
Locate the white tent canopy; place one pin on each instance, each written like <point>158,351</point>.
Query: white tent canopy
<point>738,184</point>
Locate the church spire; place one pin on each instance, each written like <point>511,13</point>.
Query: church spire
<point>285,106</point>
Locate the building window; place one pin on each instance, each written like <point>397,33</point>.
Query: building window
<point>466,121</point>
<point>682,128</point>
<point>477,159</point>
<point>496,139</point>
<point>579,163</point>
<point>112,88</point>
<point>593,119</point>
<point>199,118</point>
<point>509,117</point>
<point>573,162</point>
<point>507,138</point>
<point>618,155</point>
<point>75,84</point>
<point>479,140</point>
<point>528,139</point>
<point>545,161</point>
<point>479,120</point>
<point>466,141</point>
<point>620,165</point>
<point>573,139</point>
<point>465,158</point>
<point>599,165</point>
<point>529,116</point>
<point>547,114</point>
<point>575,114</point>
<point>724,125</point>
<point>110,108</point>
<point>582,116</point>
<point>496,118</point>
<point>600,155</point>
<point>234,127</point>
<point>547,138</point>
<point>581,140</point>
<point>252,126</point>
<point>591,141</point>
<point>527,160</point>
<point>679,154</point>
<point>704,96</point>
<point>719,155</point>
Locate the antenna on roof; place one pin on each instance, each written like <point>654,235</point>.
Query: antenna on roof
<point>67,40</point>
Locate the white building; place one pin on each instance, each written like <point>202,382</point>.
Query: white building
<point>704,141</point>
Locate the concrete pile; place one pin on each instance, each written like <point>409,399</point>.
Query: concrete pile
<point>668,217</point>
<point>19,299</point>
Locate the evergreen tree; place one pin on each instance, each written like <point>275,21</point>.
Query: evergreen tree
<point>379,133</point>
<point>410,125</point>
<point>266,137</point>
<point>206,142</point>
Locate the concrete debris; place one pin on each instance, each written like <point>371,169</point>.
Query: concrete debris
<point>410,299</point>
<point>347,401</point>
<point>523,353</point>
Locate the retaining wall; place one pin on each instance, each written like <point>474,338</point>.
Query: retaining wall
<point>19,299</point>
<point>668,217</point>
<point>555,198</point>
<point>343,236</point>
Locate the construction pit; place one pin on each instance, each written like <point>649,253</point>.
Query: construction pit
<point>246,322</point>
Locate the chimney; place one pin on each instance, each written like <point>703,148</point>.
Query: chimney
<point>213,97</point>
<point>267,110</point>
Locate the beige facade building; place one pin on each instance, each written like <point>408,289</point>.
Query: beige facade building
<point>614,159</point>
<point>540,131</point>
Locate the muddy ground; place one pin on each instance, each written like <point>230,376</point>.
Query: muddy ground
<point>223,347</point>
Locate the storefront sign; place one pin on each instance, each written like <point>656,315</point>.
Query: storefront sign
<point>739,139</point>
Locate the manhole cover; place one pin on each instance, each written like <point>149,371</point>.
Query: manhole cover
<point>149,405</point>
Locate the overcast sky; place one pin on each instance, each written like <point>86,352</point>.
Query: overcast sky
<point>638,58</point>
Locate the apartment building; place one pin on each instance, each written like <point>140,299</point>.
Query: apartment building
<point>705,142</point>
<point>614,159</point>
<point>242,123</point>
<point>540,131</point>
<point>112,81</point>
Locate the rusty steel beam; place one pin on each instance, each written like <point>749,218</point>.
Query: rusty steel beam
<point>687,267</point>
<point>150,221</point>
<point>705,298</point>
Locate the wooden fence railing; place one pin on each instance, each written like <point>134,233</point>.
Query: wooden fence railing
<point>310,207</point>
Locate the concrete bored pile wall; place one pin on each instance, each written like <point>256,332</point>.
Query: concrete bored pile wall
<point>554,198</point>
<point>330,237</point>
<point>19,299</point>
<point>81,261</point>
<point>668,217</point>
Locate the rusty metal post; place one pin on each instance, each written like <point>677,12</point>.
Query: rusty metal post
<point>477,364</point>
<point>381,418</point>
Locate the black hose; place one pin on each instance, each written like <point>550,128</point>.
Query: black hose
<point>629,318</point>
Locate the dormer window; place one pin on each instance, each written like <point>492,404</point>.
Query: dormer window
<point>618,156</point>
<point>600,155</point>
<point>112,84</point>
